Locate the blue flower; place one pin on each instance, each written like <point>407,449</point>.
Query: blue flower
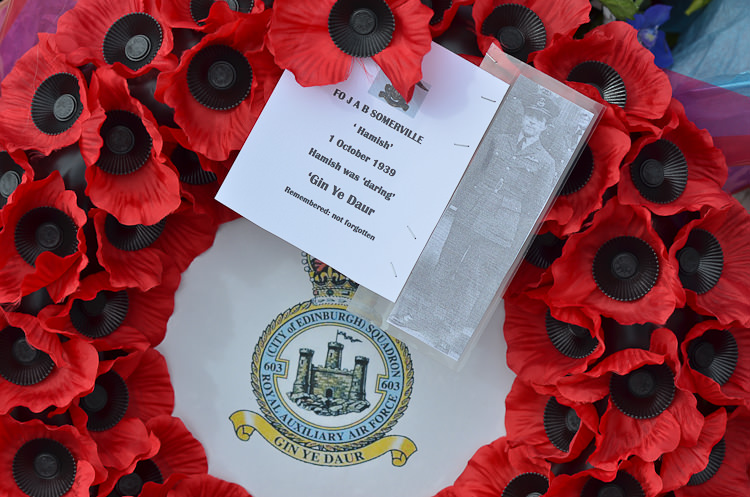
<point>649,34</point>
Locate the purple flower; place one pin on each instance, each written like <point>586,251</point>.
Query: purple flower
<point>649,34</point>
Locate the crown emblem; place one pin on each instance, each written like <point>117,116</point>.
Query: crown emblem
<point>329,286</point>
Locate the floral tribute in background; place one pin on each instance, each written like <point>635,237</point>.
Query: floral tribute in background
<point>627,325</point>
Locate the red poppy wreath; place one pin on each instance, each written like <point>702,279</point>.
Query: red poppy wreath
<point>633,378</point>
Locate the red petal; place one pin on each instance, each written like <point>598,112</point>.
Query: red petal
<point>448,15</point>
<point>122,446</point>
<point>734,472</point>
<point>186,235</point>
<point>299,40</point>
<point>151,310</point>
<point>678,466</point>
<point>149,386</point>
<point>645,473</point>
<point>180,452</point>
<point>142,269</point>
<point>623,436</point>
<point>401,60</point>
<point>204,485</point>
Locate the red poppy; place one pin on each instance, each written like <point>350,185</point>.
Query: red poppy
<point>129,390</point>
<point>679,465</point>
<point>495,467</point>
<point>678,170</point>
<point>38,369</point>
<point>206,15</point>
<point>138,256</point>
<point>717,363</point>
<point>394,33</point>
<point>70,453</point>
<point>543,348</point>
<point>611,57</point>
<point>126,174</point>
<point>631,477</point>
<point>14,170</point>
<point>44,102</point>
<point>553,430</point>
<point>597,169</point>
<point>113,318</point>
<point>730,474</point>
<point>617,268</point>
<point>196,486</point>
<point>220,86</point>
<point>43,242</point>
<point>129,35</point>
<point>200,177</point>
<point>443,13</point>
<point>646,415</point>
<point>713,254</point>
<point>179,455</point>
<point>536,23</point>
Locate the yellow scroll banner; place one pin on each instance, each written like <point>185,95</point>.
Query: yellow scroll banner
<point>247,422</point>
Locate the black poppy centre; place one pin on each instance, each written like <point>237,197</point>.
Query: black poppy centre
<point>133,40</point>
<point>361,28</point>
<point>606,80</point>
<point>56,104</point>
<point>518,29</point>
<point>625,268</point>
<point>219,77</point>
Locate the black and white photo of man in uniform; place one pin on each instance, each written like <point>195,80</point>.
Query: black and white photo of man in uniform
<point>508,183</point>
<point>516,171</point>
<point>513,179</point>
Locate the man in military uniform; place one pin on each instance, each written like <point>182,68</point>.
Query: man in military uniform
<point>512,176</point>
<point>516,172</point>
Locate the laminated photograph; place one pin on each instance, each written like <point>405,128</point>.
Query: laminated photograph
<point>524,159</point>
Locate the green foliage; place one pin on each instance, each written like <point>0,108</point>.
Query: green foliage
<point>696,5</point>
<point>623,9</point>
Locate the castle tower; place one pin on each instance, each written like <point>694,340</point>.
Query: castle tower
<point>359,375</point>
<point>333,359</point>
<point>304,368</point>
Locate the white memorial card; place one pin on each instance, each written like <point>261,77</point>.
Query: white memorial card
<point>356,176</point>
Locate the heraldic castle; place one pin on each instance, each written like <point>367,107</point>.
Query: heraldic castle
<point>329,390</point>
